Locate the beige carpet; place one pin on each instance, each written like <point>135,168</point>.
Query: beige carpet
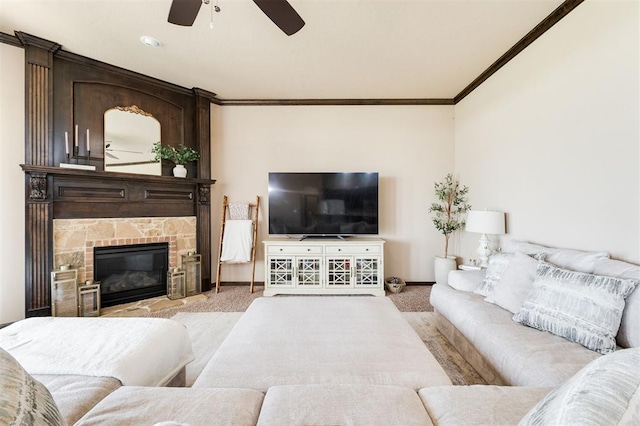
<point>413,298</point>
<point>208,329</point>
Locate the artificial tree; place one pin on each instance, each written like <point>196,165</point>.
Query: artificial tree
<point>448,217</point>
<point>448,211</point>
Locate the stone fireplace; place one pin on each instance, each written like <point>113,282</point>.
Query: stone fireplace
<point>74,240</point>
<point>63,89</point>
<point>131,272</point>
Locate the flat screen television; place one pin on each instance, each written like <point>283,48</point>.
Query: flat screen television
<point>323,204</point>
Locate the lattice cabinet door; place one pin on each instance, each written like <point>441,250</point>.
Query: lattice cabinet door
<point>339,272</point>
<point>324,266</point>
<point>281,272</point>
<point>367,272</point>
<point>309,272</point>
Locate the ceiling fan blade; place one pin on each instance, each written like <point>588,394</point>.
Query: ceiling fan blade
<point>282,14</point>
<point>184,12</point>
<point>124,150</point>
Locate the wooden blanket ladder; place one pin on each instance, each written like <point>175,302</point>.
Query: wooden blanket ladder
<point>253,215</point>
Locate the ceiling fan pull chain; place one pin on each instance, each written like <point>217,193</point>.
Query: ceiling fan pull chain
<point>215,8</point>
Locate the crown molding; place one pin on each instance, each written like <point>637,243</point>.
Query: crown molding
<point>553,18</point>
<point>10,39</point>
<point>22,39</point>
<point>333,102</point>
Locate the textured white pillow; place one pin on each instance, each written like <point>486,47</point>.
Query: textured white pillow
<point>497,264</point>
<point>605,392</point>
<point>580,307</point>
<point>515,283</point>
<point>575,260</point>
<point>629,333</point>
<point>24,400</point>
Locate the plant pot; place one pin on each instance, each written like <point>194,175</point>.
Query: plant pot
<point>442,267</point>
<point>180,171</point>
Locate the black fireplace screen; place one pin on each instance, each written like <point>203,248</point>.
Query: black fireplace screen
<point>131,273</point>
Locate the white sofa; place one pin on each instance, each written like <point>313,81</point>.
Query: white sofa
<point>82,360</point>
<point>604,392</point>
<point>365,367</point>
<point>506,352</point>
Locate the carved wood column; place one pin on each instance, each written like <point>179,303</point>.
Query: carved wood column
<point>203,210</point>
<point>38,143</point>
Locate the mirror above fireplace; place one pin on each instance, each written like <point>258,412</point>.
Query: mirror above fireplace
<point>129,134</point>
<point>64,90</point>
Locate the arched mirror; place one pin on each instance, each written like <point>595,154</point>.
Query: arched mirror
<point>129,135</point>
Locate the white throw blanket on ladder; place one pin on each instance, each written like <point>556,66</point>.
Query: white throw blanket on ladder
<point>237,241</point>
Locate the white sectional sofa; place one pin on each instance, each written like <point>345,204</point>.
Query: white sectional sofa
<point>476,312</point>
<point>354,360</point>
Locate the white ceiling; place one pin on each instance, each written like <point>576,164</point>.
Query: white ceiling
<point>348,49</point>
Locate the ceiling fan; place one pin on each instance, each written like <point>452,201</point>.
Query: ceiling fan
<point>109,151</point>
<point>184,12</point>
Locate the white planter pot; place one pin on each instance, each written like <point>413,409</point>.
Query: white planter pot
<point>179,171</point>
<point>442,266</point>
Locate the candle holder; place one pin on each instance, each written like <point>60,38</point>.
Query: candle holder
<point>192,265</point>
<point>176,284</point>
<point>89,299</point>
<point>64,282</point>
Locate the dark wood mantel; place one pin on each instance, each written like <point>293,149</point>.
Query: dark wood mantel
<point>112,175</point>
<point>63,90</point>
<point>78,193</point>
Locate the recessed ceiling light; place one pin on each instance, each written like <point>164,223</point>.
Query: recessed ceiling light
<point>150,41</point>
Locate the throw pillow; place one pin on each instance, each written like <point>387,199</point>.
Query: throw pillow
<point>629,333</point>
<point>580,307</point>
<point>515,283</point>
<point>497,264</point>
<point>24,400</point>
<point>575,260</point>
<point>604,392</point>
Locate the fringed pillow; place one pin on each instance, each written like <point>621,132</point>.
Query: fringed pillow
<point>580,307</point>
<point>604,392</point>
<point>497,264</point>
<point>24,400</point>
<point>515,283</point>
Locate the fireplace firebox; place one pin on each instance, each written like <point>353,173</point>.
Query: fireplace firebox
<point>131,272</point>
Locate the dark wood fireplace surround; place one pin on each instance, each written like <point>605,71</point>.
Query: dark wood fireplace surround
<point>64,89</point>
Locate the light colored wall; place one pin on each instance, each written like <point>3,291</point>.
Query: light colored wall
<point>11,183</point>
<point>553,137</point>
<point>410,147</point>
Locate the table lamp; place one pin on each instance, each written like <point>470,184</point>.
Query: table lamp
<point>485,222</point>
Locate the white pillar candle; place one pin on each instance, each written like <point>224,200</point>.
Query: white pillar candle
<point>76,136</point>
<point>88,144</point>
<point>66,142</point>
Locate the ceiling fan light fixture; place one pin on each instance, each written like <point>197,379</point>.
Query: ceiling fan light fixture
<point>150,41</point>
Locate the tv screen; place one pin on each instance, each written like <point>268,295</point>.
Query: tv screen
<point>323,204</point>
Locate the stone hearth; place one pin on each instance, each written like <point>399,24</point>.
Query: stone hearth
<point>75,239</point>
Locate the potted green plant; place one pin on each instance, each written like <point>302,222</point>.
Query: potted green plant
<point>447,218</point>
<point>179,156</point>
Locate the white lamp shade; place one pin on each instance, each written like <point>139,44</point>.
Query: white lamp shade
<point>485,222</point>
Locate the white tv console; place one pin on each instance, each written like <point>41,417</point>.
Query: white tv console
<point>324,266</point>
